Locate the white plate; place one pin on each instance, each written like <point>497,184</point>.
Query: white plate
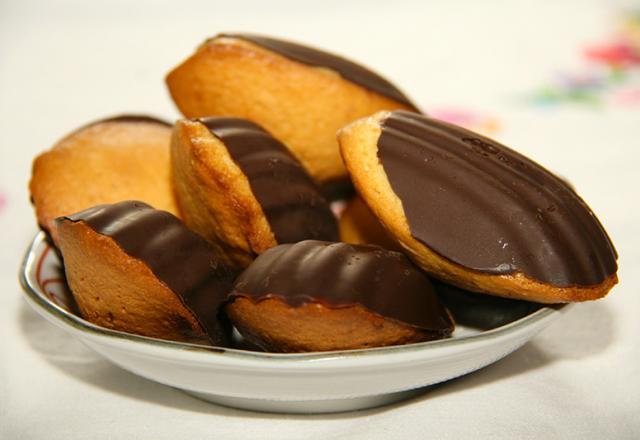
<point>300,383</point>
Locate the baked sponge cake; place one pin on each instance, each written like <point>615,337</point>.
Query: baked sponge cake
<point>243,191</point>
<point>358,225</point>
<point>140,270</point>
<point>107,161</point>
<point>475,213</point>
<point>299,94</point>
<point>319,296</point>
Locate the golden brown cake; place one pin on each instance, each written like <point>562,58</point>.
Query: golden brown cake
<point>243,191</point>
<point>475,213</point>
<point>299,94</point>
<point>104,162</point>
<point>358,225</point>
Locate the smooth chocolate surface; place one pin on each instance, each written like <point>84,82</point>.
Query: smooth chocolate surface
<point>142,119</point>
<point>338,189</point>
<point>481,311</point>
<point>314,57</point>
<point>341,275</point>
<point>135,118</point>
<point>488,208</point>
<point>178,257</point>
<point>292,202</point>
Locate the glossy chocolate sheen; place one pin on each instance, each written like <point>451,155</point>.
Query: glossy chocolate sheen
<point>341,275</point>
<point>338,189</point>
<point>179,258</point>
<point>314,57</point>
<point>135,118</point>
<point>484,312</point>
<point>485,207</point>
<point>290,199</point>
<point>141,119</point>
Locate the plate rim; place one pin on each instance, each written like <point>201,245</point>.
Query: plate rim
<point>37,297</point>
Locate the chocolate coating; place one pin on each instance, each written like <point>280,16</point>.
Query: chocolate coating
<point>480,311</point>
<point>338,189</point>
<point>483,206</point>
<point>178,257</point>
<point>314,57</point>
<point>341,275</point>
<point>290,199</point>
<point>136,118</point>
<point>143,119</point>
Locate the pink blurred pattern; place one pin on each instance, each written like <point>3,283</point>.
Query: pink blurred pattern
<point>610,75</point>
<point>3,201</point>
<point>470,119</point>
<point>621,54</point>
<point>627,97</point>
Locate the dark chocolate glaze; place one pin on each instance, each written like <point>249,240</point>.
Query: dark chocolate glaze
<point>482,311</point>
<point>290,199</point>
<point>314,57</point>
<point>135,118</point>
<point>341,275</point>
<point>338,189</point>
<point>180,259</point>
<point>485,207</point>
<point>143,119</point>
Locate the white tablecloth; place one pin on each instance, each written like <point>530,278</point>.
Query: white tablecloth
<point>484,63</point>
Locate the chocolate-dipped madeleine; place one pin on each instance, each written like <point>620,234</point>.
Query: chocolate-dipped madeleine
<point>319,296</point>
<point>242,190</point>
<point>299,94</point>
<point>140,270</point>
<point>121,158</point>
<point>475,213</point>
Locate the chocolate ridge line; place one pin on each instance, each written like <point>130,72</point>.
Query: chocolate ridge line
<point>118,118</point>
<point>519,173</point>
<point>122,118</point>
<point>498,211</point>
<point>343,275</point>
<point>291,200</point>
<point>134,118</point>
<point>314,57</point>
<point>178,257</point>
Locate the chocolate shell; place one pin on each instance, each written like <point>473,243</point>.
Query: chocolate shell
<point>180,259</point>
<point>483,312</point>
<point>337,276</point>
<point>488,208</point>
<point>135,118</point>
<point>291,201</point>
